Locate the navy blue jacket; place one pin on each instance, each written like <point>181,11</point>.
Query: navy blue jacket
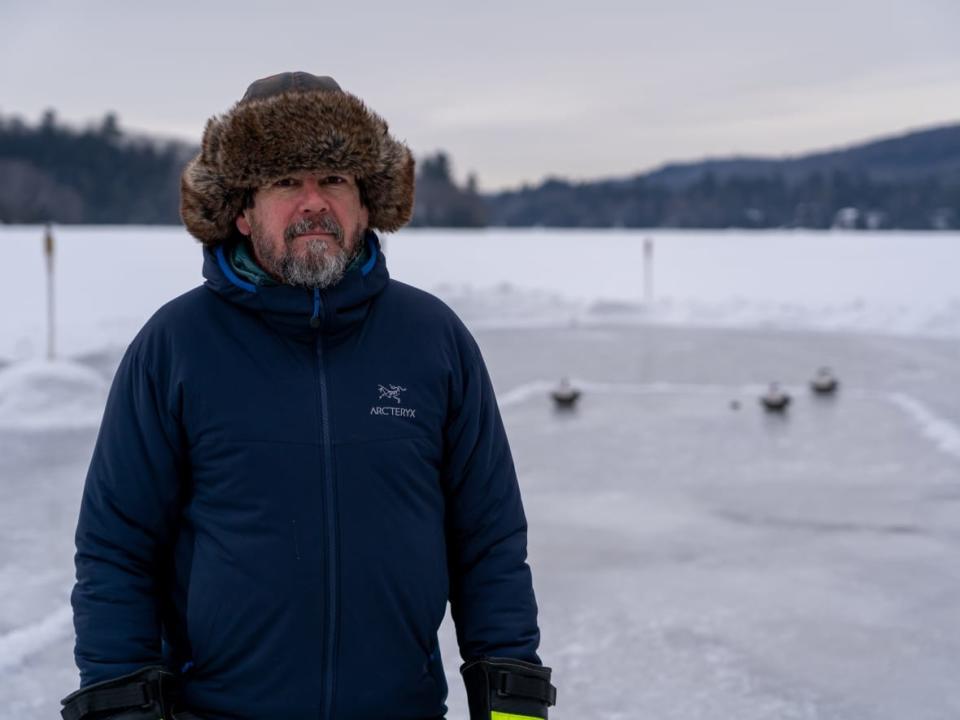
<point>287,488</point>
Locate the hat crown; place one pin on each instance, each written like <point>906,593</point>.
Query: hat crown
<point>289,82</point>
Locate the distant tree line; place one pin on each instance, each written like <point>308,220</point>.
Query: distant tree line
<point>440,202</point>
<point>100,174</point>
<point>819,200</point>
<point>911,182</point>
<point>51,172</point>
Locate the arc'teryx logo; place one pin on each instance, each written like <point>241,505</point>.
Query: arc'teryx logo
<point>392,392</point>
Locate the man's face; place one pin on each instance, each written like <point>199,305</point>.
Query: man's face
<point>305,228</point>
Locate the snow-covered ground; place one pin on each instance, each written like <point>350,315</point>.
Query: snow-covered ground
<point>110,279</point>
<point>693,556</point>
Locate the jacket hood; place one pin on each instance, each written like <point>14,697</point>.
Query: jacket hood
<point>296,311</point>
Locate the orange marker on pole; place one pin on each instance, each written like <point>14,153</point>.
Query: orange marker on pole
<point>48,253</point>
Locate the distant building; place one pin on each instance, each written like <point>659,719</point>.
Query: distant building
<point>847,218</point>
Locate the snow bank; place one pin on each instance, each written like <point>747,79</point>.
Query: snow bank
<point>37,395</point>
<point>510,306</point>
<point>19,644</point>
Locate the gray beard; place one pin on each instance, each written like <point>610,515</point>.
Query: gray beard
<point>316,268</point>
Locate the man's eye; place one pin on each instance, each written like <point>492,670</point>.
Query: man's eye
<point>285,182</point>
<point>335,179</point>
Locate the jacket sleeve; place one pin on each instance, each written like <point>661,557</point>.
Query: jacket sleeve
<point>491,589</point>
<point>124,533</point>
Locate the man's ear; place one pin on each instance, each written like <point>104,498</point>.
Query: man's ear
<point>243,223</point>
<point>364,217</point>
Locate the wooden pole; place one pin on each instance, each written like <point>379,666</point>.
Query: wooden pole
<point>48,253</point>
<point>648,272</point>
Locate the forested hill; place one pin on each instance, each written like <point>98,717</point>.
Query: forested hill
<point>914,156</point>
<point>101,174</point>
<point>910,181</point>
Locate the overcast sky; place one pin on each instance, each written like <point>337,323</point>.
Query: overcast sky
<point>514,91</point>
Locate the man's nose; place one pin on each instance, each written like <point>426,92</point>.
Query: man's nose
<point>313,198</point>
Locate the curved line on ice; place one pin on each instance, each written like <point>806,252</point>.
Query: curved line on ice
<point>17,645</point>
<point>942,433</point>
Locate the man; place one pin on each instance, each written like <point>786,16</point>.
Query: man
<point>302,460</point>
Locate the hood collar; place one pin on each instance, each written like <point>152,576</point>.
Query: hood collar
<point>297,311</point>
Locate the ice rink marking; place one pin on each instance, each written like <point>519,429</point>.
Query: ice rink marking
<point>942,433</point>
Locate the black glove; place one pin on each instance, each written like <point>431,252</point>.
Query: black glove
<point>146,694</point>
<point>507,688</point>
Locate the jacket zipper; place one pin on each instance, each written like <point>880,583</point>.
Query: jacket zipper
<point>327,496</point>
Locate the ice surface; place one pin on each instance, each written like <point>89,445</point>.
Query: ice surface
<point>697,561</point>
<point>694,557</point>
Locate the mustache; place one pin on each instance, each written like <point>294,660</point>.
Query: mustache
<point>305,226</point>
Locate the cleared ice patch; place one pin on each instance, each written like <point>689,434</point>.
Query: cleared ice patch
<point>39,395</point>
<point>943,433</point>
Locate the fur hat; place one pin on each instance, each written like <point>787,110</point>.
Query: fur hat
<point>285,123</point>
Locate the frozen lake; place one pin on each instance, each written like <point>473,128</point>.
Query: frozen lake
<point>691,560</point>
<point>111,279</point>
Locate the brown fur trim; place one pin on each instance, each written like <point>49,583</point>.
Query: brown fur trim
<point>261,140</point>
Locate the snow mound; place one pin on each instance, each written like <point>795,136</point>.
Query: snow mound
<point>38,395</point>
<point>508,306</point>
<point>511,306</point>
<point>19,644</point>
